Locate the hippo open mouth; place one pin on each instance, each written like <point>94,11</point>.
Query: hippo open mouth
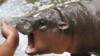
<point>30,49</point>
<point>25,27</point>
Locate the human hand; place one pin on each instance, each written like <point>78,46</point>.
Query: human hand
<point>12,40</point>
<point>8,30</point>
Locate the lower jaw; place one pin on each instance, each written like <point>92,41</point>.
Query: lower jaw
<point>30,51</point>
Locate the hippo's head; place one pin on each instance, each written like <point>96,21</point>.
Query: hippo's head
<point>45,33</point>
<point>56,30</point>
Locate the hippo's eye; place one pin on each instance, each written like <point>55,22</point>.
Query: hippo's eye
<point>42,24</point>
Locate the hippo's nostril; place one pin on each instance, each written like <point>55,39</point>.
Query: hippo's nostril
<point>24,26</point>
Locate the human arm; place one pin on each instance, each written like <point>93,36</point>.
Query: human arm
<point>9,46</point>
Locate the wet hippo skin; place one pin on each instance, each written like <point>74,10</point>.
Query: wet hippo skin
<point>74,27</point>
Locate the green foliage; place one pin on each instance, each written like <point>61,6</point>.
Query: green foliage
<point>31,1</point>
<point>2,1</point>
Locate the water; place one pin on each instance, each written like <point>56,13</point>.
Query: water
<point>13,10</point>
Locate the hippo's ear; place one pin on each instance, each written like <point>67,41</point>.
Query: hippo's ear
<point>63,25</point>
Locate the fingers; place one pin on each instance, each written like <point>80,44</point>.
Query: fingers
<point>4,28</point>
<point>4,23</point>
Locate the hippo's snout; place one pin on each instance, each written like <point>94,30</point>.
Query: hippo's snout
<point>24,26</point>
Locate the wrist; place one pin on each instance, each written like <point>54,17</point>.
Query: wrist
<point>14,35</point>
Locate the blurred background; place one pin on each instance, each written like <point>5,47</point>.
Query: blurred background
<point>13,10</point>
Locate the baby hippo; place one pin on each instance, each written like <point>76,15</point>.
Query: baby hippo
<point>72,28</point>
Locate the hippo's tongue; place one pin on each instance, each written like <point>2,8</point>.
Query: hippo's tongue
<point>30,50</point>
